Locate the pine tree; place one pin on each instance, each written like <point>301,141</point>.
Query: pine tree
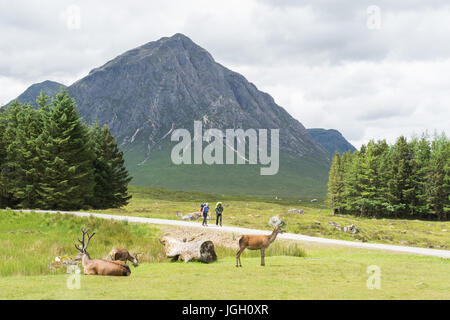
<point>10,142</point>
<point>336,184</point>
<point>371,181</point>
<point>400,185</point>
<point>111,177</point>
<point>438,177</point>
<point>346,169</point>
<point>420,171</point>
<point>352,192</point>
<point>43,102</point>
<point>66,157</point>
<point>4,195</point>
<point>98,199</point>
<point>383,152</point>
<point>22,156</point>
<point>367,180</point>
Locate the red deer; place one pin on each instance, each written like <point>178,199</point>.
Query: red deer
<point>257,242</point>
<point>99,266</point>
<point>122,254</point>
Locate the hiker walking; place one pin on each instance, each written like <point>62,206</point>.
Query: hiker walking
<point>205,211</point>
<point>219,210</point>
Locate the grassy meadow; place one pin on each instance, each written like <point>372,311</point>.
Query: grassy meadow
<point>30,241</point>
<point>254,212</point>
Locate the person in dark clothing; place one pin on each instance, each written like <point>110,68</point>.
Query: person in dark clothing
<point>205,211</point>
<point>219,210</point>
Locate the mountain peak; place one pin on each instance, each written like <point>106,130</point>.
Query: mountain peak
<point>331,140</point>
<point>177,47</point>
<point>177,37</point>
<point>180,36</point>
<point>48,86</point>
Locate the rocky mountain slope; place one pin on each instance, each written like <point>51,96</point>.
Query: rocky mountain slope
<point>331,140</point>
<point>146,92</point>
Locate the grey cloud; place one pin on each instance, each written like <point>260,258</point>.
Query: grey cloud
<point>317,58</point>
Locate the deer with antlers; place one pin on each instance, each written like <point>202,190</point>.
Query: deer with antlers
<point>122,254</point>
<point>99,266</point>
<point>257,242</point>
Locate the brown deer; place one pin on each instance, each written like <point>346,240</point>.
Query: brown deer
<point>122,254</point>
<point>257,242</point>
<point>99,266</point>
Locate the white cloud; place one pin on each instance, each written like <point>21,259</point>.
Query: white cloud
<point>317,58</point>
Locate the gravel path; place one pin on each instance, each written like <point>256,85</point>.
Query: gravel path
<point>239,230</point>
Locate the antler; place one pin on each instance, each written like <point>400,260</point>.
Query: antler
<point>83,245</point>
<point>89,239</point>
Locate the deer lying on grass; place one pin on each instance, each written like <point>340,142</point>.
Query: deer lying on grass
<point>257,242</point>
<point>122,254</point>
<point>99,266</point>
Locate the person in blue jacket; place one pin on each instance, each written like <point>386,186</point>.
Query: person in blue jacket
<point>205,211</point>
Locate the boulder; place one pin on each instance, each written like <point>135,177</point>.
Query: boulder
<point>335,224</point>
<point>192,216</point>
<point>351,228</point>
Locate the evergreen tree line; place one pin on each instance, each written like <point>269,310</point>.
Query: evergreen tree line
<point>407,179</point>
<point>49,159</point>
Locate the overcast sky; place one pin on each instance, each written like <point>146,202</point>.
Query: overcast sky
<point>371,69</point>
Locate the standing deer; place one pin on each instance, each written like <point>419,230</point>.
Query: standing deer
<point>99,266</point>
<point>257,242</point>
<point>122,254</point>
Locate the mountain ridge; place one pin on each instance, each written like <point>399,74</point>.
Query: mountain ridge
<point>32,92</point>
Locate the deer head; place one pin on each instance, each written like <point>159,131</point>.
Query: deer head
<point>279,227</point>
<point>135,260</point>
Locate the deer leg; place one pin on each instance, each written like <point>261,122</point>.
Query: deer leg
<point>240,263</point>
<point>262,257</point>
<point>238,257</point>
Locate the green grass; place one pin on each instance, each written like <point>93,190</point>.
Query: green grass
<point>324,274</point>
<point>296,176</point>
<point>255,212</point>
<point>29,241</point>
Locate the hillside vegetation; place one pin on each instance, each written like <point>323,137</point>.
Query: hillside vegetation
<point>297,176</point>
